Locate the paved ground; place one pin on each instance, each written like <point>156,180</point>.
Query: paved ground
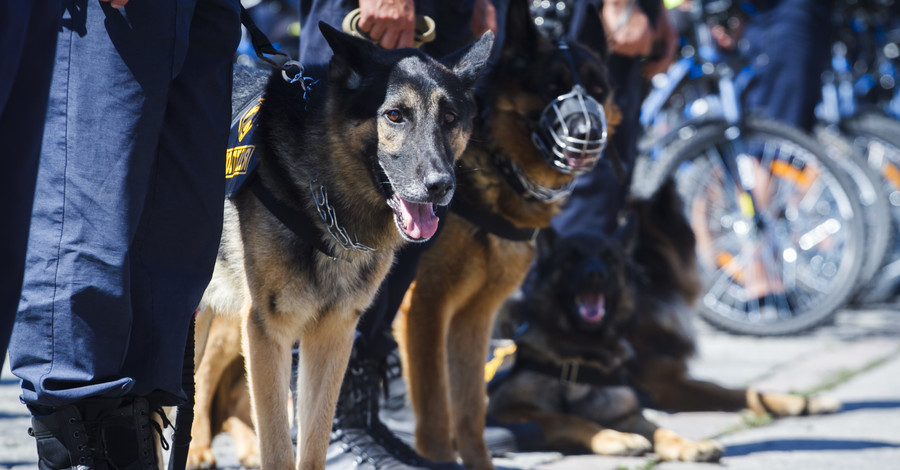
<point>857,360</point>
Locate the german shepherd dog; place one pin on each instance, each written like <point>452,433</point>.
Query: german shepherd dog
<point>349,170</point>
<point>610,330</point>
<point>541,124</point>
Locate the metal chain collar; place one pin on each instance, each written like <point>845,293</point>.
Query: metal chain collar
<point>541,193</point>
<point>327,213</point>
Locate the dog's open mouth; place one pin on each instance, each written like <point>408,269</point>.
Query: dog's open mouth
<point>416,221</point>
<point>591,307</point>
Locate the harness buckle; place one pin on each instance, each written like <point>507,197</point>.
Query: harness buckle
<point>569,373</point>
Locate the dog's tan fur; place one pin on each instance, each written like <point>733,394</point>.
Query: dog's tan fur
<point>282,288</point>
<point>445,321</point>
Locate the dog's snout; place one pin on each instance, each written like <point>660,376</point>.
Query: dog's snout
<point>595,273</point>
<point>438,184</point>
<point>584,129</point>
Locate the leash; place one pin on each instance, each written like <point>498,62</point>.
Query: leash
<point>424,28</point>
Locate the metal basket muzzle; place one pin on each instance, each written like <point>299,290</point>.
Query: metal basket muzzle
<point>571,132</point>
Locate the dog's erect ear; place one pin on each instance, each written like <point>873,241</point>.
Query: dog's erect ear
<point>592,35</point>
<point>469,62</point>
<point>522,37</point>
<point>351,56</point>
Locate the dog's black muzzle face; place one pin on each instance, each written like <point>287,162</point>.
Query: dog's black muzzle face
<point>571,132</point>
<point>590,294</point>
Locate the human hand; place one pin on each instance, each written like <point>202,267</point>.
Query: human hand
<point>665,45</point>
<point>390,23</point>
<point>727,36</point>
<point>116,3</point>
<point>629,30</point>
<point>484,18</point>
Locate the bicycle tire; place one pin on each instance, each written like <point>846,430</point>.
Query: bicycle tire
<point>869,185</point>
<point>877,136</point>
<point>814,284</point>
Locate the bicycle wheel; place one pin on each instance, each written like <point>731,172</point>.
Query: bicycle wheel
<point>786,260</point>
<point>868,184</point>
<point>877,138</point>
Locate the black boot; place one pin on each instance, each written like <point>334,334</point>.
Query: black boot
<point>97,434</point>
<point>359,440</point>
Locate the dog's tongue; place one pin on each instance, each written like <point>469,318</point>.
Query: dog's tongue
<point>418,220</point>
<point>591,307</point>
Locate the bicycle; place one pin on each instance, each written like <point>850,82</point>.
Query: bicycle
<point>776,219</point>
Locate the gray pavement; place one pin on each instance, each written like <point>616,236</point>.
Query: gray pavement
<point>856,360</point>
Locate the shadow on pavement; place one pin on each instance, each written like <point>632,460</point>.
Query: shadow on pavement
<point>787,445</point>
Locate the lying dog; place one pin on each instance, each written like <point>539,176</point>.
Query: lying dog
<point>609,322</point>
<point>349,170</point>
<point>541,125</point>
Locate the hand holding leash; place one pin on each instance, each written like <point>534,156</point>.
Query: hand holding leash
<point>355,23</point>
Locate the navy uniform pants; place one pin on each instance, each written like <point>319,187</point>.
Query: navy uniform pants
<point>452,32</point>
<point>128,205</point>
<point>792,39</point>
<point>27,43</point>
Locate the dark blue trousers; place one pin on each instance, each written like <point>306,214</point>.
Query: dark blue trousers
<point>128,207</point>
<point>793,42</point>
<point>27,43</point>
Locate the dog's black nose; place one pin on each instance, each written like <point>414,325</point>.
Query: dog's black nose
<point>584,129</point>
<point>438,184</point>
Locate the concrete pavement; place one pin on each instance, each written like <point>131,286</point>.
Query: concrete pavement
<point>856,360</point>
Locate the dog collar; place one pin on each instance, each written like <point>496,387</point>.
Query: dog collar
<point>516,178</point>
<point>304,226</point>
<point>573,371</point>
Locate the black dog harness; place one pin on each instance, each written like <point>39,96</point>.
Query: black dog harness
<point>573,371</point>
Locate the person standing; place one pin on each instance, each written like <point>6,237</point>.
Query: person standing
<point>27,45</point>
<point>125,225</point>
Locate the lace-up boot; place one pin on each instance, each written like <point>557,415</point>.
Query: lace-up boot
<point>98,434</point>
<point>359,440</point>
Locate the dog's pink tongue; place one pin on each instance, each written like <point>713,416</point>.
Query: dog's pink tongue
<point>591,307</point>
<point>418,220</point>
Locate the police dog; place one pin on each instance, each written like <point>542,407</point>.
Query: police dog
<point>541,124</point>
<point>609,321</point>
<point>349,170</point>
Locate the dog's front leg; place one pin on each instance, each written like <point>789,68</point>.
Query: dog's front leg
<point>324,353</point>
<point>467,348</point>
<point>268,360</point>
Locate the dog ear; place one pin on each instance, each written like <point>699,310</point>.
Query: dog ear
<point>591,34</point>
<point>522,37</point>
<point>351,56</point>
<point>469,62</point>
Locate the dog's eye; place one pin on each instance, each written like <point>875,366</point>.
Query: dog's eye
<point>394,116</point>
<point>449,118</point>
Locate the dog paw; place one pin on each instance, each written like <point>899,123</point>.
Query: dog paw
<point>201,459</point>
<point>610,442</point>
<point>671,446</point>
<point>780,405</point>
<point>250,460</point>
